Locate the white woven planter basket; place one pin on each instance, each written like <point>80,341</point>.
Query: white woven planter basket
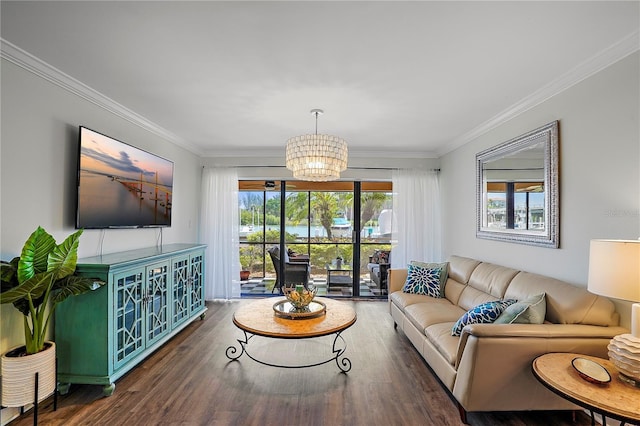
<point>18,376</point>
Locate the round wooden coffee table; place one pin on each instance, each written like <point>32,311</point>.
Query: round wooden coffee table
<point>259,319</point>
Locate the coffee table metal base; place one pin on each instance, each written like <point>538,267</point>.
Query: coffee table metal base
<point>338,349</point>
<point>258,319</point>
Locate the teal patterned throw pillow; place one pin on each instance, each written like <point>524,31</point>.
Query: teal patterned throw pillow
<point>444,271</point>
<point>423,280</point>
<point>484,313</point>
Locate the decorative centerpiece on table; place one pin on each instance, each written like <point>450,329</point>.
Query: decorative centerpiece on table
<point>299,296</point>
<point>299,303</point>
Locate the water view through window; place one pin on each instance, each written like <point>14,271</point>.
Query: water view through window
<point>323,226</point>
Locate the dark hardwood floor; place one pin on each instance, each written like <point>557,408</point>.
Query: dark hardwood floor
<point>190,381</point>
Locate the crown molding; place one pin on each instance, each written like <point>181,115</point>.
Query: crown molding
<point>589,67</point>
<point>29,62</point>
<point>593,65</point>
<point>392,154</point>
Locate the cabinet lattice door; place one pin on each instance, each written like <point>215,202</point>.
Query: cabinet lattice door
<point>188,291</point>
<point>196,290</point>
<point>180,289</point>
<point>157,302</point>
<point>128,315</point>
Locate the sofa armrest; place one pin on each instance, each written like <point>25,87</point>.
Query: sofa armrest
<point>493,363</point>
<point>299,258</point>
<point>543,330</point>
<point>396,279</point>
<point>546,331</point>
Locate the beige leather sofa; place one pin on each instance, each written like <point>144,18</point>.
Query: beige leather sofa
<point>488,367</point>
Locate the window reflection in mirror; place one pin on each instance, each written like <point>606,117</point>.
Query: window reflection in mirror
<point>515,205</point>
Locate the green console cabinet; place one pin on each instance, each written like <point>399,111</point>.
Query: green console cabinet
<point>151,294</point>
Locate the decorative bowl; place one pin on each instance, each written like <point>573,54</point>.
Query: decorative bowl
<point>591,371</point>
<point>299,296</point>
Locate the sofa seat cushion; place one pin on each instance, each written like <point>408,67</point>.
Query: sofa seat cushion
<point>440,336</point>
<point>402,299</point>
<point>424,315</point>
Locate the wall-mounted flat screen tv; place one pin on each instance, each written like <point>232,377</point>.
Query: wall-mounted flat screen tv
<point>121,186</point>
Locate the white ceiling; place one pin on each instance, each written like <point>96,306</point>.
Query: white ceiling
<point>405,78</point>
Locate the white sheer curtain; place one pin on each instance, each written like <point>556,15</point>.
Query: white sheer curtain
<point>219,230</point>
<point>417,221</point>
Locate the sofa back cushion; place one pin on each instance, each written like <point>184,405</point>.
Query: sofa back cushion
<point>566,304</point>
<point>487,282</point>
<point>460,270</point>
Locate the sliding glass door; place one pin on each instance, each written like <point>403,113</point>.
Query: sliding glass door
<point>376,221</point>
<point>320,224</point>
<point>334,226</point>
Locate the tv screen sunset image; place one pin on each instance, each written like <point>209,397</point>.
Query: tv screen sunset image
<point>120,185</point>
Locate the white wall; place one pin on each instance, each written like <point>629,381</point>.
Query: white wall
<point>39,136</point>
<point>599,176</point>
<point>366,167</point>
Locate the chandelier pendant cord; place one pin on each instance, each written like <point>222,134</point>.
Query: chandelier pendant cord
<point>317,114</point>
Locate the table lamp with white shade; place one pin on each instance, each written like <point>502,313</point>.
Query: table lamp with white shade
<point>614,271</point>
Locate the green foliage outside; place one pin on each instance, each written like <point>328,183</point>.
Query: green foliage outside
<point>252,257</point>
<point>324,207</point>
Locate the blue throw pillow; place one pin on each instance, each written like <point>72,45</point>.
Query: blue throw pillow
<point>444,271</point>
<point>484,313</point>
<point>423,280</point>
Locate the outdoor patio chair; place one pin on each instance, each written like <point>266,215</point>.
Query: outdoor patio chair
<point>294,272</point>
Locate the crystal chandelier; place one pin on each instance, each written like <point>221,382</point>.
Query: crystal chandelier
<point>318,158</point>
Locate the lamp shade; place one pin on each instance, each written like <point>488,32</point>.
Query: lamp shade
<point>316,157</point>
<point>614,269</point>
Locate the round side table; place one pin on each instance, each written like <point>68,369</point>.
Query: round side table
<point>615,399</point>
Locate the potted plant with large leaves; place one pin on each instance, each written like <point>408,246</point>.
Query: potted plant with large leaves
<point>35,283</point>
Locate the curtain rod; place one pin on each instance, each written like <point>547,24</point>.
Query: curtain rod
<point>348,168</point>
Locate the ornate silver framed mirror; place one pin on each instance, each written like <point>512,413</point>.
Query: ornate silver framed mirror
<point>517,189</point>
